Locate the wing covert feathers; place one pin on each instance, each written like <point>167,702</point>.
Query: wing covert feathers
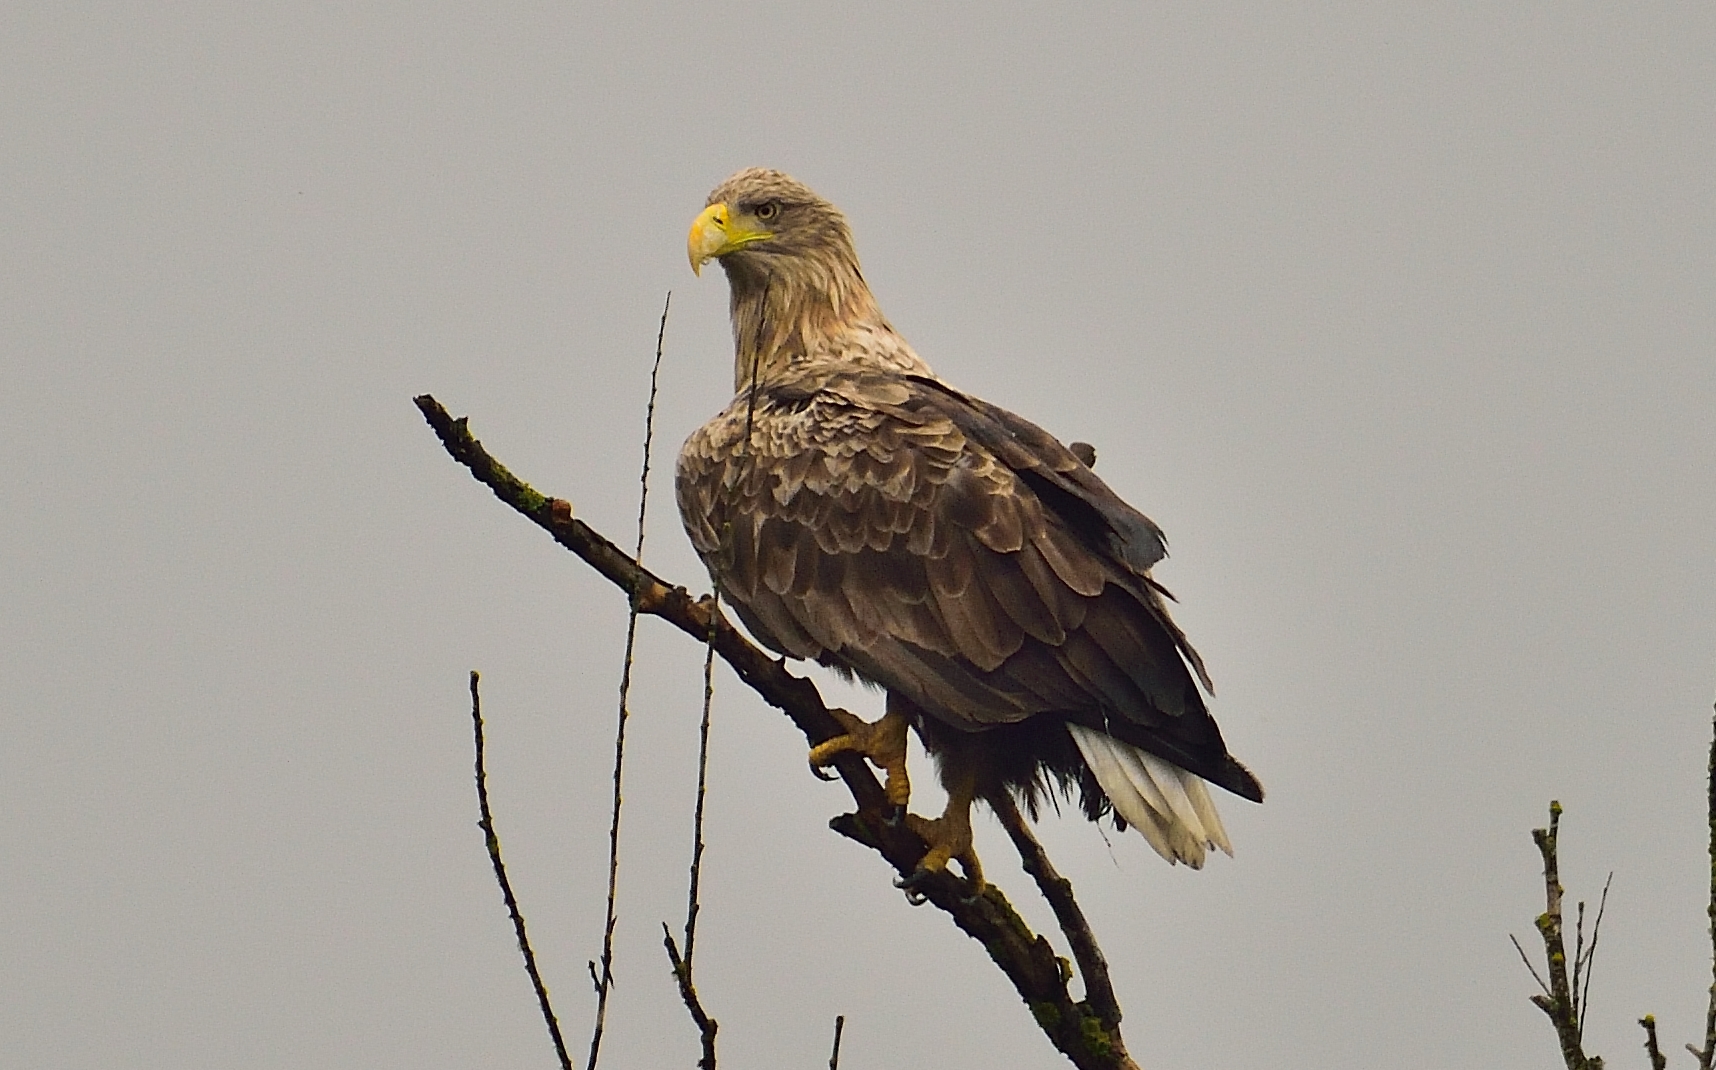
<point>954,553</point>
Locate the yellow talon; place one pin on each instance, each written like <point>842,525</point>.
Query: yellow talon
<point>883,743</point>
<point>949,837</point>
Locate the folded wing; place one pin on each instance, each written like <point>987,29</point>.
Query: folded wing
<point>950,551</point>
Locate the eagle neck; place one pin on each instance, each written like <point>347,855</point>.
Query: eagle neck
<point>808,311</point>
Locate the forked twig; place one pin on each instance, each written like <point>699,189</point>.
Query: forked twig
<point>492,841</point>
<point>1585,957</point>
<point>707,1027</point>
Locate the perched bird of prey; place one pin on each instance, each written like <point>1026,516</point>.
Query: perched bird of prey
<point>856,510</point>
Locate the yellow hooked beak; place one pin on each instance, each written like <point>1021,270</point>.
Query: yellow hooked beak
<point>718,232</point>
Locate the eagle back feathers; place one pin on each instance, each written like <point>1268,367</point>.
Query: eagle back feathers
<point>889,525</point>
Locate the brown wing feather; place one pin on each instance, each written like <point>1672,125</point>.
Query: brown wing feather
<point>949,551</point>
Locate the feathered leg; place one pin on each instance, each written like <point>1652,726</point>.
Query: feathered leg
<point>884,744</point>
<point>949,836</point>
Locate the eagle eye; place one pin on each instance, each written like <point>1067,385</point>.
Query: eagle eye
<point>768,210</point>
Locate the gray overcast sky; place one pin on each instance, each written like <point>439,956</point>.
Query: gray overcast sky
<point>1398,318</point>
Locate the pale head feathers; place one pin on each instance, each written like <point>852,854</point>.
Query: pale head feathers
<point>799,296</point>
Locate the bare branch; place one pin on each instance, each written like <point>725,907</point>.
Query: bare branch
<point>1579,964</point>
<point>707,1027</point>
<point>692,905</point>
<point>1559,1000</point>
<point>839,1028</point>
<point>1657,1060</point>
<point>1523,958</point>
<point>492,841</point>
<point>1098,989</point>
<point>605,981</point>
<point>1589,957</point>
<point>1707,1057</point>
<point>1028,961</point>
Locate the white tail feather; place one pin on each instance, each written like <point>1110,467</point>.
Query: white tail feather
<point>1201,802</point>
<point>1100,756</point>
<point>1169,806</point>
<point>1158,786</point>
<point>1170,779</point>
<point>1186,832</point>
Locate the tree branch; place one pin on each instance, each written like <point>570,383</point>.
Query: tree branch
<point>1658,1061</point>
<point>1087,1036</point>
<point>839,1028</point>
<point>1586,957</point>
<point>492,842</point>
<point>1098,989</point>
<point>1523,958</point>
<point>1559,1001</point>
<point>707,1027</point>
<point>1707,1057</point>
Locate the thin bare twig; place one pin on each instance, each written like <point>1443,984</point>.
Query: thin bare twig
<point>1658,1061</point>
<point>1579,964</point>
<point>1587,957</point>
<point>492,841</point>
<point>1523,958</point>
<point>707,1027</point>
<point>605,980</point>
<point>1027,960</point>
<point>839,1028</point>
<point>692,906</point>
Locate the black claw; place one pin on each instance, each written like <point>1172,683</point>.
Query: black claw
<point>820,773</point>
<point>910,884</point>
<point>894,817</point>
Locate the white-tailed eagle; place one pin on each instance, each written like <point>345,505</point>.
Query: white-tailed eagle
<point>856,510</point>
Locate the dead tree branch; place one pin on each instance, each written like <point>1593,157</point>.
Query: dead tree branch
<point>1658,1061</point>
<point>1087,1035</point>
<point>1584,957</point>
<point>1707,1057</point>
<point>1098,989</point>
<point>605,978</point>
<point>707,1027</point>
<point>492,842</point>
<point>1707,1054</point>
<point>1559,999</point>
<point>839,1028</point>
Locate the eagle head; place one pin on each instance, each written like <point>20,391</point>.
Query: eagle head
<point>761,222</point>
